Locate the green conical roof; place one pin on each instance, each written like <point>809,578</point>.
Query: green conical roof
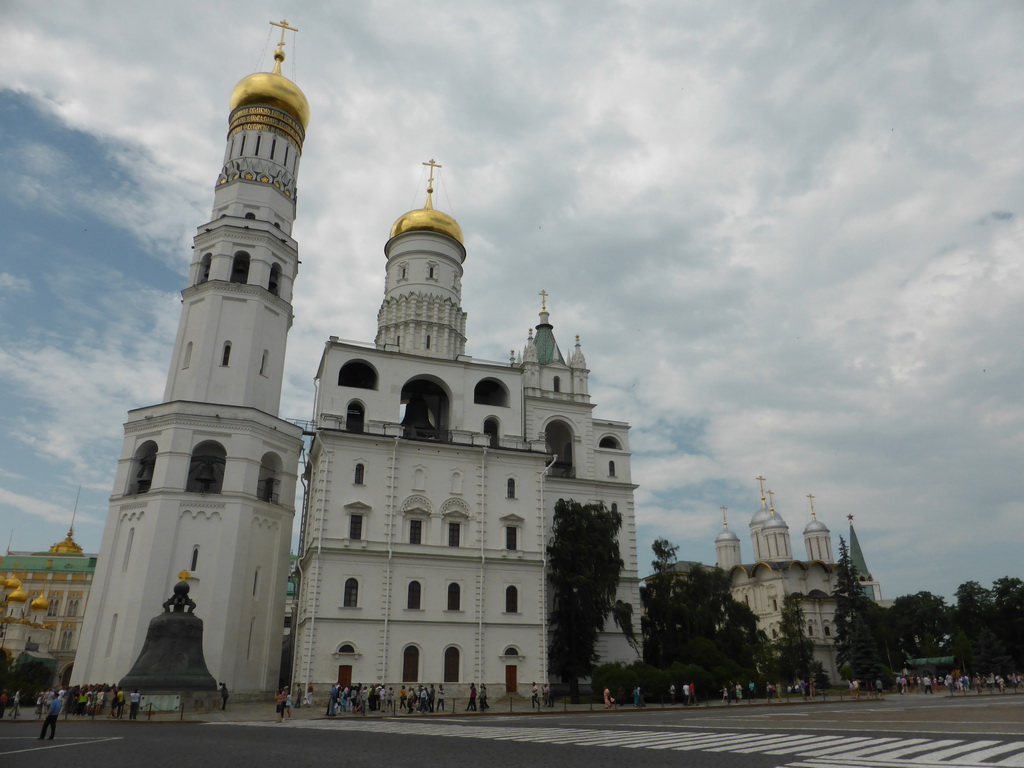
<point>547,347</point>
<point>857,555</point>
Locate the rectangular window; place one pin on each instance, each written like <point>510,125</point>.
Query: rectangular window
<point>511,537</point>
<point>355,527</point>
<point>415,531</point>
<point>454,534</point>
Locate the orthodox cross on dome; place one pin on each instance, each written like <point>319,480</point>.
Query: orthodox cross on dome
<point>544,301</point>
<point>283,24</point>
<point>761,480</point>
<point>184,575</point>
<point>725,521</point>
<point>810,497</point>
<point>771,501</point>
<point>430,182</point>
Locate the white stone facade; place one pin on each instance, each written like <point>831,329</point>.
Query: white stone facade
<point>432,483</point>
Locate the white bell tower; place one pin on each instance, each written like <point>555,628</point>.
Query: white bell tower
<point>206,479</point>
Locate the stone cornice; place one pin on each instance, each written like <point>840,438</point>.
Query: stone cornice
<point>241,289</point>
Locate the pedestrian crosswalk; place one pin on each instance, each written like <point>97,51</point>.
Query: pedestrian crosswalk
<point>811,750</point>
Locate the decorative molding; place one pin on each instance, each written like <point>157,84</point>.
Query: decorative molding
<point>417,504</point>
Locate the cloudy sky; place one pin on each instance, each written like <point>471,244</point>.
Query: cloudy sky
<point>788,233</point>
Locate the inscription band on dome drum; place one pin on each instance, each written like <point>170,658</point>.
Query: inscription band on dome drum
<point>269,120</point>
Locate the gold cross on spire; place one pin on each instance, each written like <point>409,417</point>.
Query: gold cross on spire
<point>430,181</point>
<point>814,515</point>
<point>725,521</point>
<point>771,501</point>
<point>760,480</point>
<point>283,24</point>
<point>543,301</point>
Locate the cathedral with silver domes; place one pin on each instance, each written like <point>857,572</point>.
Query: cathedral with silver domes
<point>430,478</point>
<point>774,574</point>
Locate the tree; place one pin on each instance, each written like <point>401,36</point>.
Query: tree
<point>921,624</point>
<point>794,649</point>
<point>963,651</point>
<point>990,656</point>
<point>973,609</point>
<point>851,604</point>
<point>1008,615</point>
<point>862,652</point>
<point>583,575</point>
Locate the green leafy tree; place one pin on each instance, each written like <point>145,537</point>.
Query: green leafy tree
<point>851,604</point>
<point>1008,615</point>
<point>973,609</point>
<point>583,575</point>
<point>963,651</point>
<point>921,624</point>
<point>794,649</point>
<point>683,609</point>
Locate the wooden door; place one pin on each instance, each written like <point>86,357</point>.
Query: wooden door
<point>511,673</point>
<point>344,675</point>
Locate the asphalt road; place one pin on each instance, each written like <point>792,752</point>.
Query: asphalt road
<point>900,731</point>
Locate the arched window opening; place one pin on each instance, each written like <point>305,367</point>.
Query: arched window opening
<point>65,639</point>
<point>609,442</point>
<point>274,283</point>
<point>270,478</point>
<point>611,469</point>
<point>511,600</point>
<point>240,268</point>
<point>775,633</point>
<point>355,417</point>
<point>187,360</point>
<point>775,604</point>
<point>359,474</point>
<point>206,468</point>
<point>451,665</point>
<point>346,648</point>
<point>73,604</point>
<point>195,559</point>
<point>142,468</point>
<point>358,375</point>
<point>615,507</point>
<point>558,437</point>
<point>510,489</point>
<point>225,357</point>
<point>491,430</point>
<point>828,631</point>
<point>54,607</point>
<point>415,593</point>
<point>411,664</point>
<point>250,214</point>
<point>263,362</point>
<point>511,651</point>
<point>454,597</point>
<point>556,384</point>
<point>810,630</point>
<point>351,599</point>
<point>204,268</point>
<point>426,410</point>
<point>428,341</point>
<point>490,392</point>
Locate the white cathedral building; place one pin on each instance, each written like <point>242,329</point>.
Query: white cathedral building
<point>775,574</point>
<point>431,477</point>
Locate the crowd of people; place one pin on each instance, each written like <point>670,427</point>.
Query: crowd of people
<point>411,699</point>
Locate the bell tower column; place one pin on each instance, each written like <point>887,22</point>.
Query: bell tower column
<point>206,479</point>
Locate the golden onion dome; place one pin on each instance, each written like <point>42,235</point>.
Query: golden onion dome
<point>272,89</point>
<point>18,596</point>
<point>12,583</point>
<point>427,220</point>
<point>40,603</point>
<point>67,547</point>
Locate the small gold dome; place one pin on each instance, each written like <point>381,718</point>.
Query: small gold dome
<point>427,220</point>
<point>12,583</point>
<point>18,596</point>
<point>273,90</point>
<point>40,603</point>
<point>67,547</point>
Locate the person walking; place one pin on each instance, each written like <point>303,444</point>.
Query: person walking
<point>483,698</point>
<point>534,696</point>
<point>51,718</point>
<point>223,697</point>
<point>440,698</point>
<point>472,698</point>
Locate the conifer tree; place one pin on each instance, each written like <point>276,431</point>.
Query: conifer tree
<point>851,604</point>
<point>794,649</point>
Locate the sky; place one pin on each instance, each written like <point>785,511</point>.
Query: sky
<point>788,234</point>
